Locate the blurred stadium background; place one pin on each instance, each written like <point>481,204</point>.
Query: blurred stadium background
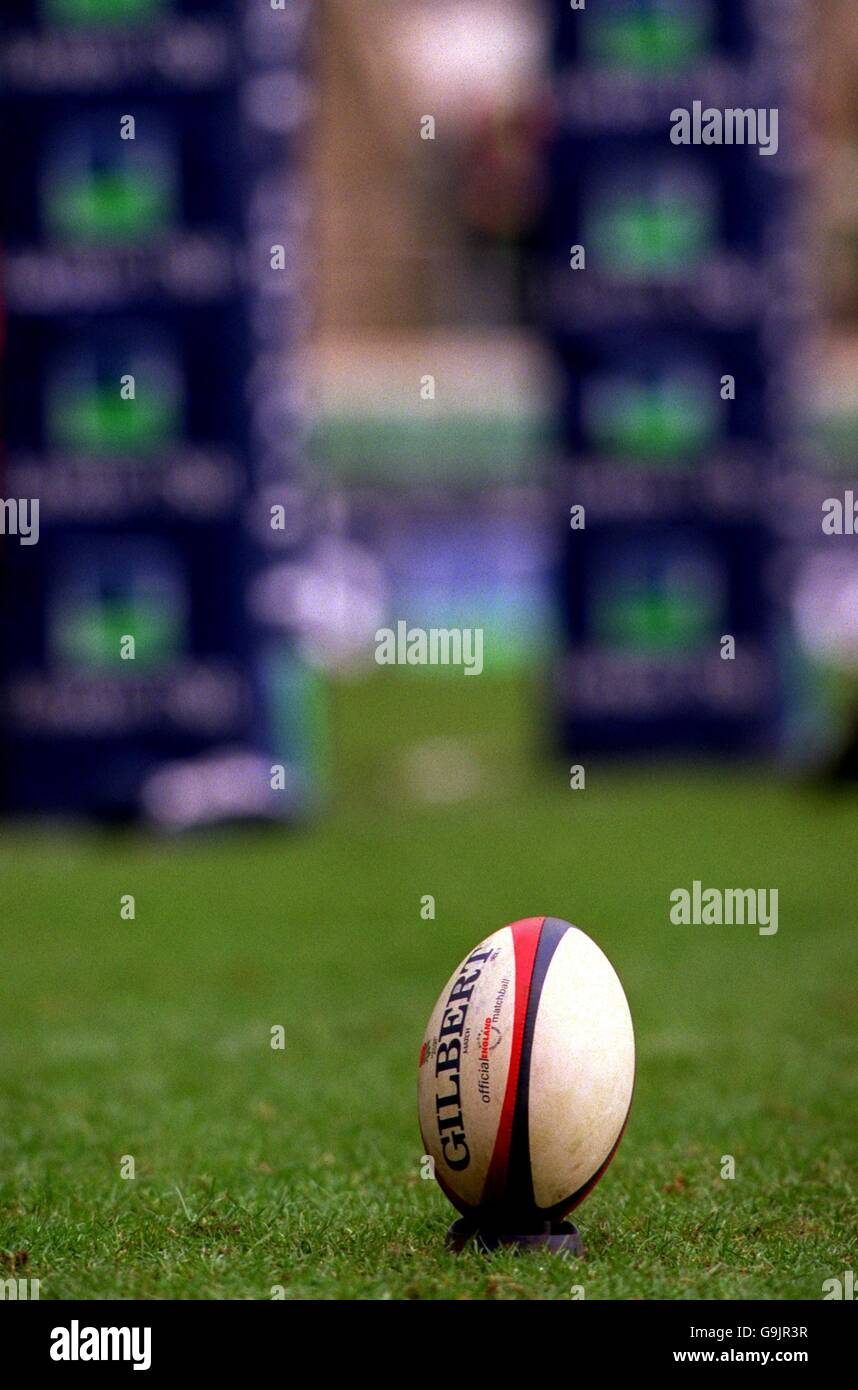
<point>251,468</point>
<point>217,340</point>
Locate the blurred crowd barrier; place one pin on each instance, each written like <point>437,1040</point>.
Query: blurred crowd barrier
<point>319,317</point>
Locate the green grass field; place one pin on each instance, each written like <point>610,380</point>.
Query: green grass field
<point>300,1167</point>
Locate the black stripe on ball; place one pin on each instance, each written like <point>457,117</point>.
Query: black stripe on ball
<point>519,1199</point>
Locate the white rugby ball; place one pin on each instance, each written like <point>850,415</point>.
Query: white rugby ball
<point>526,1074</point>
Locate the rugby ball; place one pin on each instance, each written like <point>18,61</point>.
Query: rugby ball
<point>526,1074</point>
